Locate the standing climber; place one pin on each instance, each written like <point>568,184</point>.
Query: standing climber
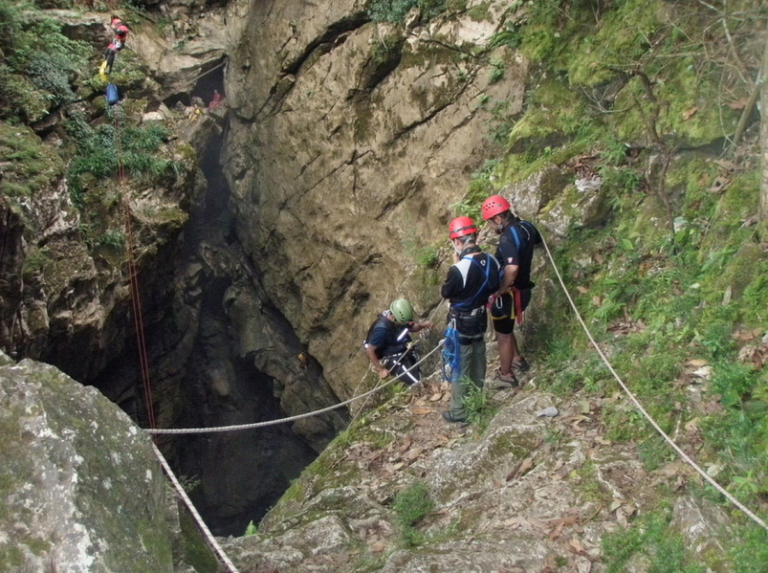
<point>120,35</point>
<point>389,346</point>
<point>472,279</point>
<point>515,254</point>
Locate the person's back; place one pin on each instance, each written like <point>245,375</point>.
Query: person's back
<point>385,336</point>
<point>471,280</point>
<point>516,246</point>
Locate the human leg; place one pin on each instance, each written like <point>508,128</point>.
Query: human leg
<point>516,360</point>
<point>459,387</point>
<point>503,313</point>
<point>478,367</point>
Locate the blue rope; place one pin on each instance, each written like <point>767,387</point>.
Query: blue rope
<point>451,356</point>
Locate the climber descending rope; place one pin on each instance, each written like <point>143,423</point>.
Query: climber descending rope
<point>119,36</point>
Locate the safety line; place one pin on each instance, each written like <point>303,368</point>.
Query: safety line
<point>421,337</point>
<point>133,275</point>
<point>642,410</point>
<point>292,418</point>
<point>183,494</point>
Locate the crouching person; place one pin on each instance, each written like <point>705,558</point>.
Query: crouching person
<point>389,346</point>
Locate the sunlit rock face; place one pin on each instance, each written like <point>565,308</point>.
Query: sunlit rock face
<point>349,142</point>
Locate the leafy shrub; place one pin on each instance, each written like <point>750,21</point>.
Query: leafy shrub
<point>651,536</point>
<point>394,11</point>
<point>475,403</point>
<point>412,504</point>
<point>34,46</point>
<point>103,149</point>
<point>113,239</point>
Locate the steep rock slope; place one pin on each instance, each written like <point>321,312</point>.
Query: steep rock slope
<point>349,142</point>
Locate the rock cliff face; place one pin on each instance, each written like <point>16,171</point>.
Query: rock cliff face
<point>220,351</point>
<point>529,494</point>
<point>80,488</point>
<point>349,141</point>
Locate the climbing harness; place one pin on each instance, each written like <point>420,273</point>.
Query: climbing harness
<point>410,352</point>
<point>478,301</point>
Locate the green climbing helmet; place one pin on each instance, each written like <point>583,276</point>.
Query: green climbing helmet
<point>402,310</point>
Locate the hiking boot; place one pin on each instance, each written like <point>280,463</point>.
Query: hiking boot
<point>504,380</point>
<point>521,365</point>
<point>451,419</point>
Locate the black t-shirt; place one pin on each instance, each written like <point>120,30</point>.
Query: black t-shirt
<point>388,337</point>
<point>465,279</point>
<point>509,253</point>
<point>468,285</point>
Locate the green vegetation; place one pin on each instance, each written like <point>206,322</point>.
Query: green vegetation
<point>475,401</point>
<point>250,530</point>
<point>29,165</point>
<point>105,149</point>
<point>395,10</point>
<point>40,63</point>
<point>667,266</point>
<point>652,537</point>
<point>412,504</point>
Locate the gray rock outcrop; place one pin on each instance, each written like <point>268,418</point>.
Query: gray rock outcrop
<point>80,488</point>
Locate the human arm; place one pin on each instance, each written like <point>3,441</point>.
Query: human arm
<point>370,350</point>
<point>508,257</point>
<point>421,325</point>
<point>508,279</point>
<point>453,284</point>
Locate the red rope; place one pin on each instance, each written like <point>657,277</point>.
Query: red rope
<point>135,294</point>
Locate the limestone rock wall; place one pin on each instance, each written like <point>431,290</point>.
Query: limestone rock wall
<point>349,142</point>
<point>80,488</point>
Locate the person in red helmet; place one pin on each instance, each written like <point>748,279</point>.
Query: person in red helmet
<point>472,279</point>
<point>515,255</point>
<point>120,35</point>
<point>120,31</point>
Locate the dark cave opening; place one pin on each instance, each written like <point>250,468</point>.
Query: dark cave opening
<point>209,82</point>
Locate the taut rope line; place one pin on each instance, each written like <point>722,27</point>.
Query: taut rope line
<point>639,406</point>
<point>133,273</point>
<point>291,418</point>
<point>203,527</point>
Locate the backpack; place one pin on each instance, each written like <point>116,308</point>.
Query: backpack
<point>113,95</point>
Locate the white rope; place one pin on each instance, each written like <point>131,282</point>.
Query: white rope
<point>204,528</point>
<point>639,406</point>
<point>292,418</point>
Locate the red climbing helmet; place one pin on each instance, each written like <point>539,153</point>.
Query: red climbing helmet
<point>461,226</point>
<point>494,205</point>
